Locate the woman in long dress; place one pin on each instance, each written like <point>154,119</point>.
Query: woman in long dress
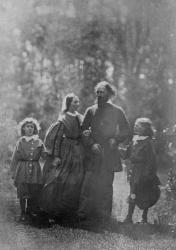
<point>63,171</point>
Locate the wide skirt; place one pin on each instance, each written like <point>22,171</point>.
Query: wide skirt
<point>61,191</point>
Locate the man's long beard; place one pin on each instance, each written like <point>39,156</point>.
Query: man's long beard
<point>101,101</point>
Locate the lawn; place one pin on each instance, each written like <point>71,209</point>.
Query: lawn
<point>16,236</point>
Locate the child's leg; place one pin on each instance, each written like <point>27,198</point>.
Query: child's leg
<point>23,209</point>
<point>144,215</point>
<point>131,208</point>
<point>22,205</point>
<point>131,202</point>
<point>20,194</point>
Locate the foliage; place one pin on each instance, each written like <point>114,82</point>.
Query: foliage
<point>171,151</point>
<point>64,46</point>
<point>171,185</point>
<point>167,205</point>
<point>50,48</point>
<point>8,134</point>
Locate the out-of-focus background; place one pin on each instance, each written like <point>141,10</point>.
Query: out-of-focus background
<point>49,48</point>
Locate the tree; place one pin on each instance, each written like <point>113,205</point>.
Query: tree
<point>73,44</point>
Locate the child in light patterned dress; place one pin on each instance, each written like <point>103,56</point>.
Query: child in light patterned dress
<point>25,167</point>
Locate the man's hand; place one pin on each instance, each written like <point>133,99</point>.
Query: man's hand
<point>56,161</point>
<point>112,143</point>
<point>96,148</point>
<point>86,133</point>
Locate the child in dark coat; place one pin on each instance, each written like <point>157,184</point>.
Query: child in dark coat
<point>144,190</point>
<point>25,167</point>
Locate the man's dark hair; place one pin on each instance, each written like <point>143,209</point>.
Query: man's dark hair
<point>109,87</point>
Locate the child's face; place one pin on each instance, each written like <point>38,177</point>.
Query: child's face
<point>138,129</point>
<point>29,129</point>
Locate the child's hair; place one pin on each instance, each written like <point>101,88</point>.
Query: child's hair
<point>27,120</point>
<point>67,102</point>
<point>146,123</point>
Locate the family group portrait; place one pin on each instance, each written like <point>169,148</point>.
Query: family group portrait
<point>88,124</point>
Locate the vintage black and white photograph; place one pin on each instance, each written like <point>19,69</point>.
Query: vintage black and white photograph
<point>88,125</point>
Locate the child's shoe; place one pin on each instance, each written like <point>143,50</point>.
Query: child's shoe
<point>25,218</point>
<point>22,218</point>
<point>128,219</point>
<point>143,221</point>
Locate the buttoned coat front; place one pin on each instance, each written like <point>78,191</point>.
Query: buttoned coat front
<point>105,123</point>
<point>25,165</point>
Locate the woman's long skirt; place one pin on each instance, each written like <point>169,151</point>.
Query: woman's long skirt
<point>61,191</point>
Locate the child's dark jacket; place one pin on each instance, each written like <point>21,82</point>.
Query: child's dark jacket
<point>143,164</point>
<point>142,172</point>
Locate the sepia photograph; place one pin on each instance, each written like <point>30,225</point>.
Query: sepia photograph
<point>88,125</point>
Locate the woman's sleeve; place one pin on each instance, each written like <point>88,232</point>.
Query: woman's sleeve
<point>44,152</point>
<point>58,141</point>
<point>50,138</point>
<point>53,139</point>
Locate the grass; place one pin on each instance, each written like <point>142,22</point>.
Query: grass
<point>16,236</point>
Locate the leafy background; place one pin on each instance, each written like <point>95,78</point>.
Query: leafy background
<point>49,48</point>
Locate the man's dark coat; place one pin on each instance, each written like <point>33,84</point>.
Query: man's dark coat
<point>104,123</point>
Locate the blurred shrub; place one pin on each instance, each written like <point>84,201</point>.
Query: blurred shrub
<point>167,206</point>
<point>166,209</point>
<point>8,135</point>
<point>166,149</point>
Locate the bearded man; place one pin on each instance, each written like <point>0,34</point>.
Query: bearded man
<point>104,126</point>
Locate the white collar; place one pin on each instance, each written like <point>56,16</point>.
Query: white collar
<point>72,114</point>
<point>28,138</point>
<point>109,101</point>
<point>138,138</point>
